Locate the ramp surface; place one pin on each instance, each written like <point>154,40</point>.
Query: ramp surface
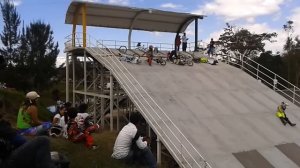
<point>220,109</point>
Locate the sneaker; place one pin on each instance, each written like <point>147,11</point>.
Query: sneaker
<point>293,125</point>
<point>94,147</point>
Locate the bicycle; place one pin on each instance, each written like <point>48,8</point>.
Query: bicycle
<point>184,60</point>
<point>159,60</point>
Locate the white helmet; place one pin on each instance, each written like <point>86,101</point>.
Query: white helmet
<point>32,95</point>
<point>283,104</point>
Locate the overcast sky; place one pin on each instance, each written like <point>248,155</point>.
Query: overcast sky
<point>256,15</point>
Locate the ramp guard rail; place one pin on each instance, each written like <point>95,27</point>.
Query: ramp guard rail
<point>266,76</point>
<point>179,146</point>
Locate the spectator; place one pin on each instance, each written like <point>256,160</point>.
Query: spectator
<point>59,126</point>
<point>17,152</point>
<point>282,115</point>
<point>27,121</point>
<point>211,48</point>
<point>177,42</point>
<point>184,42</point>
<point>75,134</point>
<point>131,146</point>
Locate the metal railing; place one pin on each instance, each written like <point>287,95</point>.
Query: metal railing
<point>179,146</point>
<point>116,44</point>
<point>267,77</point>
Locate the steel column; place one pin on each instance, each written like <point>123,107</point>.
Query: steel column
<point>158,152</point>
<point>111,104</point>
<point>67,77</point>
<point>84,76</point>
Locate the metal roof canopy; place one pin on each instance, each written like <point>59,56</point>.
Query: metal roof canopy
<point>113,16</point>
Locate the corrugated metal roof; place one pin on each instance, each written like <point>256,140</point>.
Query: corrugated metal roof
<point>113,16</point>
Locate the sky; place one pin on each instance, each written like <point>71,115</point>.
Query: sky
<point>258,16</point>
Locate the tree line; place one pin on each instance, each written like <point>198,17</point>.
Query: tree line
<point>28,53</point>
<point>241,42</point>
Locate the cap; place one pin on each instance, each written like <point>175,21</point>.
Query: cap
<point>32,95</point>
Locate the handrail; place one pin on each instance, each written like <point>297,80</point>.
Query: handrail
<point>272,80</point>
<point>117,43</point>
<point>156,111</point>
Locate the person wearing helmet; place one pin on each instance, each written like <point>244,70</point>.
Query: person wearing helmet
<point>27,120</point>
<point>282,115</point>
<point>150,55</point>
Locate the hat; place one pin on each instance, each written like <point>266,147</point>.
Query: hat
<point>32,95</point>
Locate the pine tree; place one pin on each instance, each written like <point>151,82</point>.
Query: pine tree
<point>42,54</point>
<point>9,36</point>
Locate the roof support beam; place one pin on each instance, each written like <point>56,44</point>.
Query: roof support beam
<point>196,34</point>
<point>74,22</point>
<point>83,10</point>
<point>131,26</point>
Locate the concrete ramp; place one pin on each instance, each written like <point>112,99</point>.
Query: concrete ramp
<point>219,112</point>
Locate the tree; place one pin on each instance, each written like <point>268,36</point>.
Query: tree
<point>242,41</point>
<point>42,54</point>
<point>9,36</point>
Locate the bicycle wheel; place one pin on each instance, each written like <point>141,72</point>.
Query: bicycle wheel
<point>123,49</point>
<point>190,62</point>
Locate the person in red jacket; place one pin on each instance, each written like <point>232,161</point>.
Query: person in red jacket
<point>75,134</point>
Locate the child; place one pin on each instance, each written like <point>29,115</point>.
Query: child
<point>75,134</point>
<point>59,123</point>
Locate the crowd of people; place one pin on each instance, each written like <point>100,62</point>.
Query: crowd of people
<point>72,123</point>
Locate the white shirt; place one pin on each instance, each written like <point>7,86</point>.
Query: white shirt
<point>124,139</point>
<point>184,39</point>
<point>61,120</point>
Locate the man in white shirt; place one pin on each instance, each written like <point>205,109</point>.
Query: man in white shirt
<point>184,42</point>
<point>131,146</point>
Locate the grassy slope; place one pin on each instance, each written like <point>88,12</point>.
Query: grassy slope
<point>82,157</point>
<point>78,154</point>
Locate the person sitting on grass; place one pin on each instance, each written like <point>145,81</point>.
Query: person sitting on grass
<point>27,120</point>
<point>75,134</point>
<point>131,146</point>
<point>17,152</point>
<point>59,126</point>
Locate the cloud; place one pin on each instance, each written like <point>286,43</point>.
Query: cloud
<point>119,2</point>
<point>277,45</point>
<point>17,2</point>
<point>60,60</point>
<point>170,5</point>
<point>295,18</point>
<point>237,9</point>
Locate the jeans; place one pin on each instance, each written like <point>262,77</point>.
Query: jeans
<point>143,156</point>
<point>184,45</point>
<point>33,154</point>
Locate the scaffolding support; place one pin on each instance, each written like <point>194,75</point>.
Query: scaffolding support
<point>111,104</point>
<point>67,77</point>
<point>158,151</point>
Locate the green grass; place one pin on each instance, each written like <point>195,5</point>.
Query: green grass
<point>77,153</point>
<point>82,157</point>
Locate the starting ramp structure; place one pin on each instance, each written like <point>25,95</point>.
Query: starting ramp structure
<point>206,116</point>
